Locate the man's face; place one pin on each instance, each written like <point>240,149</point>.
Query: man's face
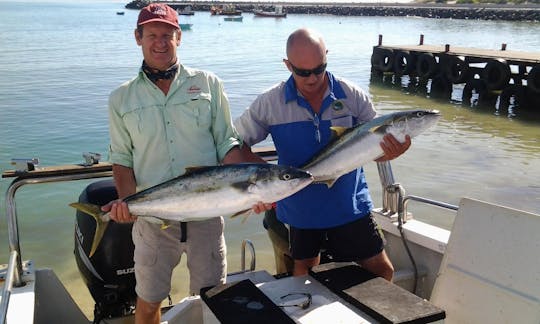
<point>159,42</point>
<point>309,60</point>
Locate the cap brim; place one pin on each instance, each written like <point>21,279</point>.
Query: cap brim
<point>159,20</point>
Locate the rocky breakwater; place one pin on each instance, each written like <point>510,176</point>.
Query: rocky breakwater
<point>509,12</point>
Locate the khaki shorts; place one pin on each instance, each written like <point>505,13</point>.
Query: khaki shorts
<point>158,251</point>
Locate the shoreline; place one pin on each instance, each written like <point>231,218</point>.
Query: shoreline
<point>506,12</point>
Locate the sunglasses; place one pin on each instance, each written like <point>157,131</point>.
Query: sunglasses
<point>306,73</point>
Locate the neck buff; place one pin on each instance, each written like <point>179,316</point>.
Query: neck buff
<point>155,75</point>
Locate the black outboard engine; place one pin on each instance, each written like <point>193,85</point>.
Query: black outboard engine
<point>109,273</point>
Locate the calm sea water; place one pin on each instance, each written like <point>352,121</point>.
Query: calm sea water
<point>59,61</point>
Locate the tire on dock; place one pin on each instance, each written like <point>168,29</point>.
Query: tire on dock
<point>441,87</point>
<point>382,59</point>
<point>533,79</point>
<point>513,95</point>
<point>426,66</point>
<point>404,63</point>
<point>457,69</point>
<point>473,86</point>
<point>496,74</point>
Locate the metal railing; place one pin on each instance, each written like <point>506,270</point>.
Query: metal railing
<point>8,286</point>
<point>15,269</point>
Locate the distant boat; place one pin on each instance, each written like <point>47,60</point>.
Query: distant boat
<point>277,13</point>
<point>226,10</point>
<point>185,26</point>
<point>120,13</point>
<point>186,11</point>
<point>235,18</point>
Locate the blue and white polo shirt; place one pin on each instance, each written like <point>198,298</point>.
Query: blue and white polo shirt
<point>298,133</point>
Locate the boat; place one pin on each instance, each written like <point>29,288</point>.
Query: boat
<point>120,13</point>
<point>186,11</point>
<point>185,26</point>
<point>277,13</point>
<point>225,10</point>
<point>233,18</point>
<point>482,271</point>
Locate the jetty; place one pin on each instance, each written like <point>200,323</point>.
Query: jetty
<point>480,11</point>
<point>508,80</point>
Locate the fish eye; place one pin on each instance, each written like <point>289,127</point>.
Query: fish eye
<point>286,176</point>
<point>420,114</point>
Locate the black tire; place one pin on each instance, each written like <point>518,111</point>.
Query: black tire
<point>441,87</point>
<point>457,69</point>
<point>516,92</point>
<point>533,79</point>
<point>426,66</point>
<point>476,85</point>
<point>403,63</point>
<point>382,59</point>
<point>496,74</point>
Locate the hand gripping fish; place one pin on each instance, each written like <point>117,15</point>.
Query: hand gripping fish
<point>361,144</point>
<point>207,192</point>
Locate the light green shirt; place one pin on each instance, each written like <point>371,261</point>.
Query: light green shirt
<point>160,135</point>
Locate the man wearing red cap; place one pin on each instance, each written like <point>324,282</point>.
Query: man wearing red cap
<point>168,118</point>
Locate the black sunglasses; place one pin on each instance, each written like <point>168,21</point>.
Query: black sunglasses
<point>306,73</point>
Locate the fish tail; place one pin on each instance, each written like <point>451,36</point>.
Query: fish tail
<point>101,225</point>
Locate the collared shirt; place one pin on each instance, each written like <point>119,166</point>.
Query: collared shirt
<point>298,134</point>
<point>160,135</point>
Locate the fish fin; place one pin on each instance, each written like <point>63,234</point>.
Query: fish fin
<point>378,129</point>
<point>246,213</point>
<point>101,225</point>
<point>165,225</point>
<point>329,182</point>
<point>337,131</point>
<point>242,185</point>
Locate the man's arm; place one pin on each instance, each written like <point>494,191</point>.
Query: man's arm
<point>125,183</point>
<point>241,154</point>
<point>124,180</point>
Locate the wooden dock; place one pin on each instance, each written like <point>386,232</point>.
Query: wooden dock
<point>510,80</point>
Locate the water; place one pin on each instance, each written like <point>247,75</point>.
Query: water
<point>59,61</point>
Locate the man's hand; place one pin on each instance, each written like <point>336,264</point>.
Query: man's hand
<point>393,148</point>
<point>119,211</point>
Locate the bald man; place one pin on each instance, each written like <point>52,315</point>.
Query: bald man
<point>298,113</point>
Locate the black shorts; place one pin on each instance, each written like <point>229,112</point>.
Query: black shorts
<point>357,240</point>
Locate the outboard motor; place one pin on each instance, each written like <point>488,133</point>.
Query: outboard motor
<point>109,274</point>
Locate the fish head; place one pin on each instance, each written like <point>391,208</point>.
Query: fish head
<point>411,122</point>
<point>276,182</point>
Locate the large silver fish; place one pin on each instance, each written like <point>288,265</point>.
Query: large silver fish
<point>359,145</point>
<point>206,192</point>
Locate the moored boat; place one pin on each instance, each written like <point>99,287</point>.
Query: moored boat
<point>234,18</point>
<point>185,26</point>
<point>186,11</point>
<point>482,271</point>
<point>225,10</point>
<point>277,13</point>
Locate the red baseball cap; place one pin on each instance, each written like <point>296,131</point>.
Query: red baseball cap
<point>158,12</point>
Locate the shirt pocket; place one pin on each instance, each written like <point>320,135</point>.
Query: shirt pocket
<point>196,111</point>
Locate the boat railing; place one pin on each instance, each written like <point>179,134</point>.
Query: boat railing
<point>15,267</point>
<point>249,244</point>
<point>394,200</point>
<point>8,285</point>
